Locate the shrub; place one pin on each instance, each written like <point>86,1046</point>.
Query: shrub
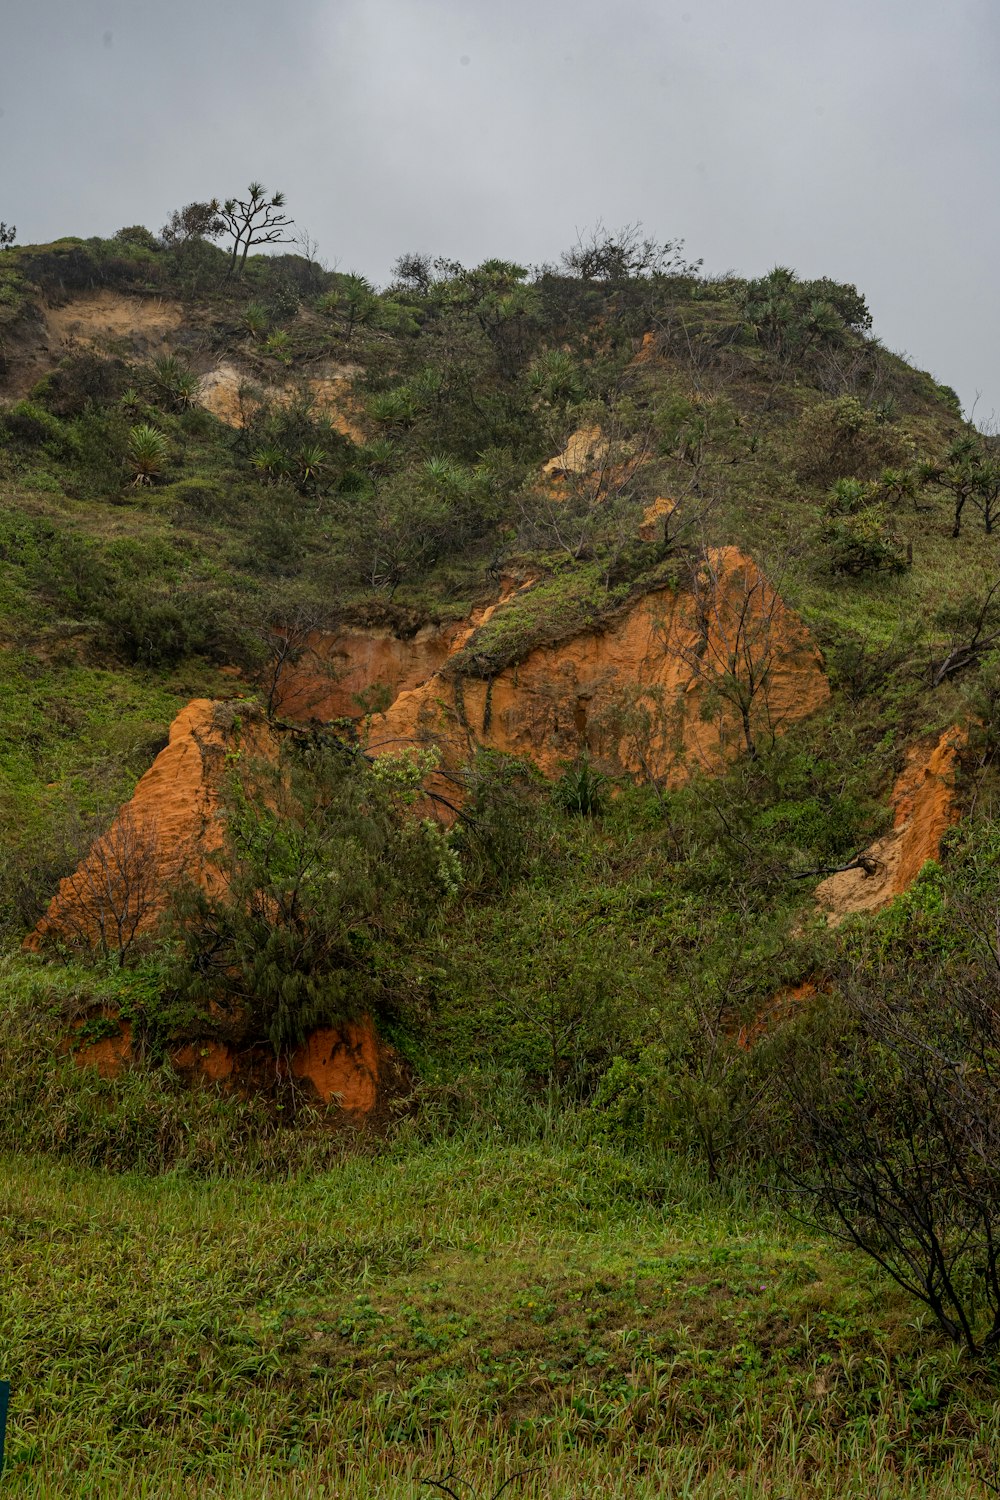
<point>329,879</point>
<point>80,382</point>
<point>841,438</point>
<point>30,425</point>
<point>147,453</point>
<point>856,534</point>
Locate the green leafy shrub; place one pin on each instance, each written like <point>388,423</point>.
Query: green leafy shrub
<point>329,880</point>
<point>841,438</point>
<point>81,381</point>
<point>857,536</point>
<point>30,425</point>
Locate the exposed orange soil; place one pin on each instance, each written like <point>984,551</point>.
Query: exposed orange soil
<point>329,389</point>
<point>343,1065</point>
<point>109,1054</point>
<point>96,318</point>
<point>925,807</point>
<point>168,830</point>
<point>778,1008</point>
<point>339,666</point>
<point>635,696</point>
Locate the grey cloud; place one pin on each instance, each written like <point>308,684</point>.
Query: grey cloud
<point>856,141</point>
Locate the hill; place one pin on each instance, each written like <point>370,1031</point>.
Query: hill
<point>529,726</point>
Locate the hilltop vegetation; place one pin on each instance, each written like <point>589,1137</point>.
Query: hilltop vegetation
<point>208,459</point>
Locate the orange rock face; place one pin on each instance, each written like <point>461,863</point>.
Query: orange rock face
<point>640,697</point>
<point>343,1065</point>
<point>925,807</point>
<point>339,668</point>
<point>168,830</point>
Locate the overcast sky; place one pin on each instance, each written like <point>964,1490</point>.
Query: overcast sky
<point>857,140</point>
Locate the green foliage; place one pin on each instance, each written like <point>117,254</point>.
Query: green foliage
<point>581,790</point>
<point>896,1100</point>
<point>552,609</point>
<point>856,533</point>
<point>329,881</point>
<point>842,439</point>
<point>175,384</point>
<point>790,317</point>
<point>968,471</point>
<point>30,425</point>
<point>147,453</point>
<point>255,319</point>
<point>82,381</point>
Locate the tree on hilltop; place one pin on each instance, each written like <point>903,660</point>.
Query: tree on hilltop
<point>197,221</point>
<point>8,234</point>
<point>254,220</point>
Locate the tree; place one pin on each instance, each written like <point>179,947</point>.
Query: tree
<point>414,271</point>
<point>196,221</point>
<point>618,256</point>
<point>975,624</point>
<point>893,1141</point>
<point>790,317</point>
<point>328,880</point>
<point>254,220</point>
<point>8,234</point>
<point>968,471</point>
<point>737,639</point>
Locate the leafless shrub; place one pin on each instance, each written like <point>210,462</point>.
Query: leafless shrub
<point>115,894</point>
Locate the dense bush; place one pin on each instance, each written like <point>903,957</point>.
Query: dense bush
<point>329,882</point>
<point>842,439</point>
<point>857,536</point>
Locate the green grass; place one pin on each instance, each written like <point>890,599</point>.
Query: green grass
<point>617,1323</point>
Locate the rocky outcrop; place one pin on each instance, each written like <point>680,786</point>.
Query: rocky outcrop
<point>169,829</point>
<point>644,695</point>
<point>925,806</point>
<point>233,394</point>
<point>585,451</point>
<point>344,673</point>
<point>347,1066</point>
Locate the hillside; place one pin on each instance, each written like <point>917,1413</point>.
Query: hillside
<point>515,748</point>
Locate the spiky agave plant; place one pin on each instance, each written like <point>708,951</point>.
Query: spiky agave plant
<point>309,465</point>
<point>276,344</point>
<point>271,462</point>
<point>147,453</point>
<point>130,400</point>
<point>255,319</point>
<point>176,383</point>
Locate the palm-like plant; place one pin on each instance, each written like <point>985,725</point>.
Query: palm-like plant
<point>176,383</point>
<point>276,344</point>
<point>147,453</point>
<point>270,462</point>
<point>255,319</point>
<point>309,465</point>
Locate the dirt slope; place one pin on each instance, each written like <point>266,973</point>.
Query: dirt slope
<point>639,697</point>
<point>925,807</point>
